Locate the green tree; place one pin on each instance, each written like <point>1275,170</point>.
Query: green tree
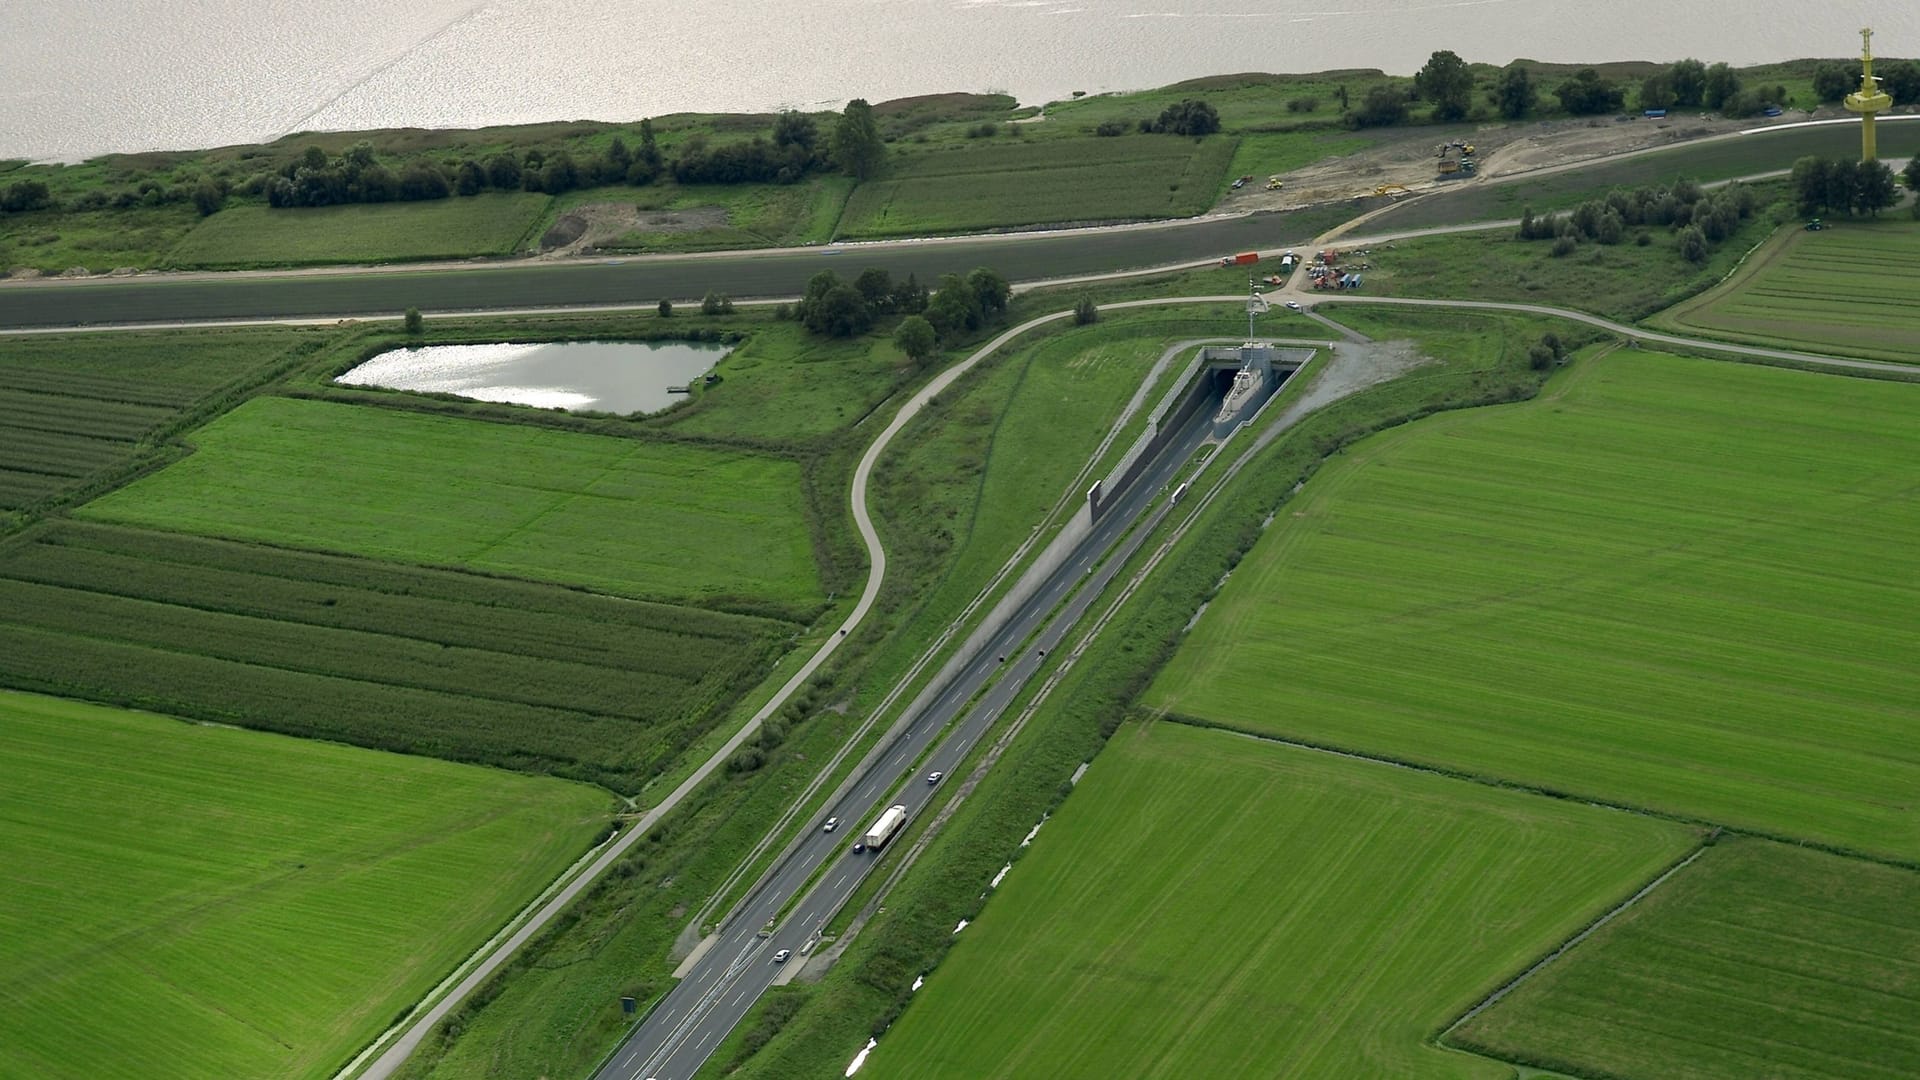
<point>1912,173</point>
<point>1446,82</point>
<point>716,303</point>
<point>915,338</point>
<point>1873,188</point>
<point>875,286</point>
<point>413,323</point>
<point>954,308</point>
<point>991,292</point>
<point>1384,106</point>
<point>208,198</point>
<point>1587,94</point>
<point>795,129</point>
<point>665,308</point>
<point>1830,82</point>
<point>469,178</point>
<point>1513,92</point>
<point>1189,117</point>
<point>1689,80</point>
<point>1693,244</point>
<point>1656,91</point>
<point>839,313</point>
<point>503,172</point>
<point>857,148</point>
<point>1085,314</point>
<point>1721,87</point>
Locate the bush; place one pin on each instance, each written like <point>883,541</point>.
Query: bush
<point>1564,244</point>
<point>1303,104</point>
<point>1110,128</point>
<point>716,303</point>
<point>415,325</point>
<point>666,308</point>
<point>1189,117</point>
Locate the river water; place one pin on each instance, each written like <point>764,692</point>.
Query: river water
<point>83,77</point>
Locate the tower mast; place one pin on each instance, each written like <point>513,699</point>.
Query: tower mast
<point>1869,99</point>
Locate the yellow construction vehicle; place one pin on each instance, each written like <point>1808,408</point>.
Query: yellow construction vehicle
<point>1274,183</point>
<point>1390,190</point>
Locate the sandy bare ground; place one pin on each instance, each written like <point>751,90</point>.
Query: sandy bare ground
<point>1409,156</point>
<point>584,229</point>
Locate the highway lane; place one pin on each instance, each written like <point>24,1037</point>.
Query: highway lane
<point>683,1030</point>
<point>385,292</point>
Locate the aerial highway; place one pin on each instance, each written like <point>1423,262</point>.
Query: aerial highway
<point>738,964</point>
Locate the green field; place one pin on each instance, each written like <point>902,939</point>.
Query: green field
<point>74,406</point>
<point>1205,905</point>
<point>1758,960</point>
<point>189,901</point>
<point>639,518</point>
<point>1848,289</point>
<point>242,236</point>
<point>506,673</point>
<point>1671,583</point>
<point>1017,182</point>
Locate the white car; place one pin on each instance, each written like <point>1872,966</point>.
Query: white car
<point>934,777</point>
<point>1293,305</point>
<point>781,956</point>
<point>832,824</point>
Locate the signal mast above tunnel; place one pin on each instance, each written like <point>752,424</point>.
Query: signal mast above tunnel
<point>1869,99</point>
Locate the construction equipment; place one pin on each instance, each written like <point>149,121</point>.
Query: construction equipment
<point>1392,191</point>
<point>1274,183</point>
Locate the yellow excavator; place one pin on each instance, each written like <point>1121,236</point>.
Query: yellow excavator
<point>1390,190</point>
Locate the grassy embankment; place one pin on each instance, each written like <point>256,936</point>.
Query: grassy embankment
<point>76,410</point>
<point>1205,905</point>
<point>493,224</point>
<point>1800,965</point>
<point>605,513</point>
<point>1482,359</point>
<point>1674,586</point>
<point>977,470</point>
<point>1848,288</point>
<point>203,901</point>
<point>1625,281</point>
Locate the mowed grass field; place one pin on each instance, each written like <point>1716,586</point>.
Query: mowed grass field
<point>1209,905</point>
<point>637,518</point>
<point>1758,960</point>
<point>515,674</point>
<point>72,406</point>
<point>1018,182</point>
<point>495,223</point>
<point>1848,289</point>
<point>1672,583</point>
<point>191,901</point>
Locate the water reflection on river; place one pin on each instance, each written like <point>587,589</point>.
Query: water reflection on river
<point>600,376</point>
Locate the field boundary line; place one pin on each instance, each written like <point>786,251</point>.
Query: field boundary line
<point>1605,917</point>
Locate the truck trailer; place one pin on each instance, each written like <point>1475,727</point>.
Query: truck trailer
<point>1245,258</point>
<point>884,827</point>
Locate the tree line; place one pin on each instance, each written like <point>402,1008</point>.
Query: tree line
<point>1699,219</point>
<point>957,307</point>
<point>794,149</point>
<point>1843,186</point>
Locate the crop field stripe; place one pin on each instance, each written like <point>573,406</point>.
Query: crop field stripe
<point>1762,959</point>
<point>1849,287</point>
<point>1674,585</point>
<point>1197,881</point>
<point>521,675</point>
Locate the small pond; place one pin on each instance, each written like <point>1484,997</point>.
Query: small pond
<point>601,376</point>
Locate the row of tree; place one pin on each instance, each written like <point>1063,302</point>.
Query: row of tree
<point>1699,219</point>
<point>1447,84</point>
<point>1900,79</point>
<point>794,149</point>
<point>1843,186</point>
<point>957,307</point>
<point>1189,117</point>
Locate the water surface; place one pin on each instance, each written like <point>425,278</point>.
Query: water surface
<point>86,76</point>
<point>599,376</point>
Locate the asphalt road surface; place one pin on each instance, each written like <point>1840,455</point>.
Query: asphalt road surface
<point>683,1030</point>
<point>351,292</point>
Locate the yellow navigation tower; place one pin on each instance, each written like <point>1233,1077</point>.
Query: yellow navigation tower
<point>1867,100</point>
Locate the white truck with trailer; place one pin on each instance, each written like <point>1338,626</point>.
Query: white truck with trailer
<point>884,827</point>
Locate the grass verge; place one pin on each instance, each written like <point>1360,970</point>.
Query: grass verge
<point>255,236</point>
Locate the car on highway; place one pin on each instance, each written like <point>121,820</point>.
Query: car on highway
<point>832,824</point>
<point>781,956</point>
<point>934,777</point>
